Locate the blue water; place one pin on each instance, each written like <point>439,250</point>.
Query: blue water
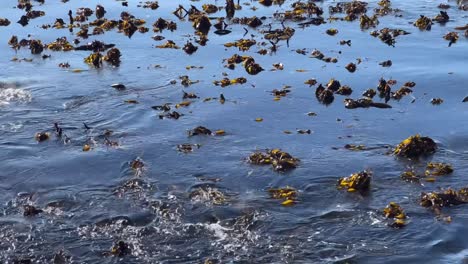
<point>87,207</point>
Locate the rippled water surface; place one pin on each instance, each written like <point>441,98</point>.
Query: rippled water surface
<point>167,211</point>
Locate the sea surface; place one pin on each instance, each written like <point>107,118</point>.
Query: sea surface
<point>165,211</point>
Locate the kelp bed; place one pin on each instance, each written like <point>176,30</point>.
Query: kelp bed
<point>229,43</point>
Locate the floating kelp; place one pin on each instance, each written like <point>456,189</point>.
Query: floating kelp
<point>281,92</point>
<point>385,8</point>
<point>168,45</point>
<point>189,48</point>
<point>352,9</point>
<point>363,103</point>
<point>173,115</point>
<point>351,67</point>
<point>187,148</point>
<point>443,17</point>
<point>387,63</point>
<point>200,130</point>
<point>4,22</point>
<point>35,14</point>
<point>452,37</point>
<point>137,164</point>
<point>324,96</point>
<point>423,23</point>
<point>285,33</point>
<point>93,46</point>
<point>251,67</point>
<point>448,197</point>
<point>242,44</point>
<point>280,160</point>
<point>384,89</point>
<point>437,101</point>
<point>356,182</point>
<point>319,55</point>
<point>410,176</point>
<point>210,8</point>
<point>202,24</point>
<point>30,210</point>
<point>369,93</point>
<point>36,46</point>
<point>249,21</point>
<point>400,93</point>
<point>120,249</point>
<point>344,90</point>
<point>287,194</point>
<point>415,147</point>
<point>100,11</point>
<point>153,5</point>
<point>311,82</point>
<point>42,136</point>
<point>95,59</point>
<point>438,169</point>
<point>208,194</point>
<point>368,22</point>
<point>332,31</point>
<point>300,12</point>
<point>388,35</point>
<point>226,81</point>
<point>61,44</point>
<point>113,57</point>
<point>394,212</point>
<point>162,24</point>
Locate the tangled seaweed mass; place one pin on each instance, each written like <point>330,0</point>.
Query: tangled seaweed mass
<point>223,131</point>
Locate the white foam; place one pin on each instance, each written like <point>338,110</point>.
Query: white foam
<point>8,95</point>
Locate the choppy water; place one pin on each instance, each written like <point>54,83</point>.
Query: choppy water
<point>93,199</point>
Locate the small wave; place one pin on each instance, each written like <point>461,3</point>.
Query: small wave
<point>8,95</point>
